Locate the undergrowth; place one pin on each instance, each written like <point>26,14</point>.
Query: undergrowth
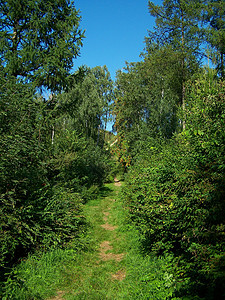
<point>39,275</point>
<point>81,275</point>
<point>148,276</point>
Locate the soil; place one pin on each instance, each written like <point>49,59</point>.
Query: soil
<point>105,255</point>
<point>106,214</point>
<point>59,296</point>
<point>117,182</point>
<point>105,219</point>
<point>120,275</point>
<point>107,226</point>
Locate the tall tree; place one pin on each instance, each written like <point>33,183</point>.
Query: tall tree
<point>214,16</point>
<point>146,101</point>
<point>128,110</point>
<point>39,40</point>
<point>87,101</point>
<point>177,26</point>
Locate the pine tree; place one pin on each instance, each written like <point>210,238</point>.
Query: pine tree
<point>39,40</point>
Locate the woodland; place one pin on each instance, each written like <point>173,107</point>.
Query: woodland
<point>168,144</point>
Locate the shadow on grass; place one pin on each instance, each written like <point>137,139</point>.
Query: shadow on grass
<point>105,191</point>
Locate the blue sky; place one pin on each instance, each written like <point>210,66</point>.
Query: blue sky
<point>115,31</point>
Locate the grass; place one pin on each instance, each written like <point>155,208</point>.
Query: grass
<point>40,275</point>
<point>84,274</point>
<point>94,278</point>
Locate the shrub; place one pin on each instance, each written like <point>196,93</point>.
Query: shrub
<point>176,196</point>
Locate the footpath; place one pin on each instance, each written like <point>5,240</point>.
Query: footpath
<point>107,262</point>
<point>99,273</point>
<point>112,267</point>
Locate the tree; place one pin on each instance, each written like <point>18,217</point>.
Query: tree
<point>39,40</point>
<point>147,94</point>
<point>175,194</point>
<point>86,103</point>
<point>42,185</point>
<point>214,17</point>
<point>105,88</point>
<point>129,109</point>
<point>162,76</point>
<point>177,26</point>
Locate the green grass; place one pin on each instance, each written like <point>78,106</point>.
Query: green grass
<point>40,275</point>
<point>83,275</point>
<point>93,276</point>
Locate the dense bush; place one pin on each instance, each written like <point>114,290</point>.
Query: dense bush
<point>21,171</point>
<point>176,196</point>
<point>42,221</point>
<point>77,163</point>
<point>44,179</point>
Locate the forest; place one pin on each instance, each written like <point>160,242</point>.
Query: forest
<point>167,147</point>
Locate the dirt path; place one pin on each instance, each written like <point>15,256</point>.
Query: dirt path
<point>110,266</point>
<point>117,182</point>
<point>105,246</point>
<point>99,273</point>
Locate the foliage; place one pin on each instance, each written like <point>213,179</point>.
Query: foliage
<point>46,172</point>
<point>20,169</point>
<point>39,40</point>
<point>39,275</point>
<point>213,18</point>
<point>147,98</point>
<point>177,25</point>
<point>52,150</point>
<point>170,122</point>
<point>169,117</point>
<point>147,277</point>
<point>88,100</point>
<point>78,164</point>
<point>176,195</point>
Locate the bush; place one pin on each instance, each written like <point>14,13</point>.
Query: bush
<point>176,197</point>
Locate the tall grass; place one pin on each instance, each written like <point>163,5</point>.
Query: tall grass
<point>39,275</point>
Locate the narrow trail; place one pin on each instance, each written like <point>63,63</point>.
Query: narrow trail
<point>99,273</point>
<point>112,266</point>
